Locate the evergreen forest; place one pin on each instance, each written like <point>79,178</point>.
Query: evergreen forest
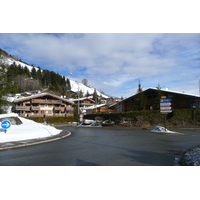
<point>23,80</point>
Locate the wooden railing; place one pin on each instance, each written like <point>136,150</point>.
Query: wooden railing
<point>46,101</point>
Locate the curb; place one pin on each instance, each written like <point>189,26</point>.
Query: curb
<point>35,143</point>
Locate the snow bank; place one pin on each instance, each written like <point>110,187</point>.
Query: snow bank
<point>160,129</point>
<point>27,130</point>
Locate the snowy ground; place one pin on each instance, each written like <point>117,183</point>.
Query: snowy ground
<point>27,130</point>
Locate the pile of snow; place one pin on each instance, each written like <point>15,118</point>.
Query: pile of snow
<point>160,129</point>
<point>27,130</point>
<point>190,158</point>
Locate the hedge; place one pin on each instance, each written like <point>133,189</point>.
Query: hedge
<point>52,120</point>
<point>153,117</point>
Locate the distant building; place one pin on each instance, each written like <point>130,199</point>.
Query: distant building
<point>99,108</point>
<point>84,103</point>
<point>179,100</point>
<point>42,105</point>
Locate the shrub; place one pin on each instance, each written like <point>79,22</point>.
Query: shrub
<point>52,120</point>
<point>153,117</point>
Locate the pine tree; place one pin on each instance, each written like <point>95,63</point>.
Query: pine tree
<point>87,94</point>
<point>33,73</point>
<point>68,84</point>
<point>5,88</point>
<point>95,96</point>
<point>159,93</point>
<point>140,103</point>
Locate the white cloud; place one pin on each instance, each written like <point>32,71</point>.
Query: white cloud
<point>111,59</point>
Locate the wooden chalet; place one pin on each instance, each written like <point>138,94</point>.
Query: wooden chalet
<point>152,95</point>
<point>42,105</point>
<point>99,108</point>
<point>84,102</point>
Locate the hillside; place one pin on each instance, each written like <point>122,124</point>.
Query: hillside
<point>9,60</point>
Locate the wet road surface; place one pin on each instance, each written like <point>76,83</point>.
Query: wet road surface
<point>104,147</point>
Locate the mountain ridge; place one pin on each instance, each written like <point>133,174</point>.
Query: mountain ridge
<point>6,59</point>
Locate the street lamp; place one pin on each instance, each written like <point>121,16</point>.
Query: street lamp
<point>78,101</point>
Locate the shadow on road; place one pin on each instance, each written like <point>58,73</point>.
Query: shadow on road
<point>80,162</point>
<point>150,158</point>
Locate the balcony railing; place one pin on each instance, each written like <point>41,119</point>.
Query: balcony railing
<point>22,108</point>
<point>35,108</point>
<point>46,101</point>
<point>59,109</point>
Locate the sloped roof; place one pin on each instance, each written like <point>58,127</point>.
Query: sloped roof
<point>80,99</point>
<point>95,106</point>
<point>41,95</point>
<point>165,90</point>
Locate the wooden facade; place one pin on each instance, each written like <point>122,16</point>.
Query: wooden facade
<point>178,100</point>
<point>43,105</point>
<point>84,102</point>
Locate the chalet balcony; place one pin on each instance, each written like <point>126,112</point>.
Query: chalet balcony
<point>69,109</point>
<point>59,109</point>
<point>86,104</point>
<point>35,108</point>
<point>46,101</point>
<point>22,108</point>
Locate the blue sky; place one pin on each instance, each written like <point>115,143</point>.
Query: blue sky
<point>114,62</point>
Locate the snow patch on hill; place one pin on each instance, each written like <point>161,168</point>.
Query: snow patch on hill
<point>75,86</point>
<point>9,61</point>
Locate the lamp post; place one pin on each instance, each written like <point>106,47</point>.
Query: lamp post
<point>78,102</point>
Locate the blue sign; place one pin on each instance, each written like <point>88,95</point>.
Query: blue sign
<point>165,100</point>
<point>5,124</point>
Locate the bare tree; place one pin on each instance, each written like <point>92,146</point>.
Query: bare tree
<point>85,82</point>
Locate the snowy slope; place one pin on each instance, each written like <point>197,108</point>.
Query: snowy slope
<point>75,86</point>
<point>7,60</point>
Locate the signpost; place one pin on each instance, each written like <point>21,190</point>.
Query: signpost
<point>165,107</point>
<point>5,124</point>
<point>81,117</point>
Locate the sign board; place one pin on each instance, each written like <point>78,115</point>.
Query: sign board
<point>165,104</point>
<point>165,100</point>
<point>5,124</point>
<point>165,111</point>
<point>165,108</point>
<point>163,97</point>
<point>81,115</point>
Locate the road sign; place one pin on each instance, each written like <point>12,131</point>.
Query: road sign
<point>165,104</point>
<point>165,108</point>
<point>165,100</point>
<point>5,124</point>
<point>165,111</point>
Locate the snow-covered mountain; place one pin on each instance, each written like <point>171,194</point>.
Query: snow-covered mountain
<point>75,86</point>
<point>8,60</point>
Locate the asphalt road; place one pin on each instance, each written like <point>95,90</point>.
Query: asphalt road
<point>105,147</point>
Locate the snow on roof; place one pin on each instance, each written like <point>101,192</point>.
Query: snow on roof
<point>167,90</point>
<point>94,106</point>
<point>40,95</point>
<point>164,90</point>
<point>83,99</point>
